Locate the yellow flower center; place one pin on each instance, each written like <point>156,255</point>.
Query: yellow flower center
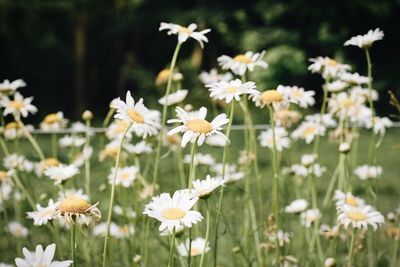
<point>270,96</point>
<point>172,139</point>
<point>199,126</point>
<point>356,216</point>
<point>52,118</point>
<point>124,176</point>
<point>74,205</point>
<point>296,93</point>
<point>331,62</point>
<point>185,30</point>
<point>243,59</point>
<point>231,89</point>
<point>110,151</point>
<point>16,104</point>
<point>352,201</point>
<point>41,265</point>
<point>195,251</point>
<point>51,162</point>
<point>12,125</point>
<point>308,131</point>
<point>3,176</point>
<point>347,103</point>
<point>162,76</point>
<point>173,214</point>
<point>135,116</point>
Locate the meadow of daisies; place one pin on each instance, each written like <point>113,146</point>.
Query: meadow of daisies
<point>185,185</point>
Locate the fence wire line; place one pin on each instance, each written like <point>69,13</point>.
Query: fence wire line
<point>238,127</point>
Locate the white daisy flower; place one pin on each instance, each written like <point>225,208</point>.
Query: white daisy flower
<point>111,150</point>
<point>5,193</point>
<point>174,211</point>
<point>364,93</point>
<point>317,170</point>
<point>139,148</point>
<point>270,97</point>
<point>336,86</point>
<point>53,122</point>
<point>327,67</point>
<point>71,141</point>
<point>163,76</point>
<point>128,212</point>
<point>12,130</point>
<point>282,140</point>
<point>308,159</point>
<point>5,176</point>
<point>198,247</point>
<point>353,79</point>
<point>242,63</point>
<point>326,120</point>
<point>125,176</point>
<point>116,130</point>
<point>348,198</point>
<point>283,238</point>
<point>297,206</point>
<point>185,32</point>
<point>287,118</point>
<point>359,217</point>
<point>17,162</point>
<point>297,95</point>
<point>61,173</point>
<point>145,122</point>
<point>40,257</point>
<point>8,88</point>
<point>43,214</point>
<point>216,140</point>
<point>230,90</point>
<point>116,231</point>
<point>310,216</point>
<point>380,125</point>
<point>173,98</point>
<point>77,210</point>
<point>195,127</point>
<point>78,127</point>
<point>213,77</point>
<point>204,188</point>
<point>19,106</point>
<point>366,40</point>
<point>231,174</point>
<point>366,172</point>
<point>16,229</point>
<point>308,130</point>
<point>200,159</point>
<point>80,158</point>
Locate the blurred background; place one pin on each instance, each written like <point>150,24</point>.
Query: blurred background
<point>80,54</point>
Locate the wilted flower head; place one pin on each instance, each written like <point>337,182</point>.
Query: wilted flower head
<point>77,210</point>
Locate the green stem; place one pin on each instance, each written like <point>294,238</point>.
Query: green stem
<point>192,165</point>
<point>322,112</point>
<point>87,160</point>
<point>171,249</point>
<point>221,195</point>
<point>275,165</point>
<point>164,114</point>
<point>54,145</point>
<point>112,197</point>
<point>207,233</point>
<point>372,147</point>
<point>350,257</point>
<point>30,138</point>
<point>73,243</point>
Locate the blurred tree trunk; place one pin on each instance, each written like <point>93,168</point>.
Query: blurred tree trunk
<point>80,17</point>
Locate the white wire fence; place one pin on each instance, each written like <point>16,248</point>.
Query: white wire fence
<point>238,127</point>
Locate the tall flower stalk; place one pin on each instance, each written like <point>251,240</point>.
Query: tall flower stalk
<point>221,194</point>
<point>112,197</point>
<point>164,113</point>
